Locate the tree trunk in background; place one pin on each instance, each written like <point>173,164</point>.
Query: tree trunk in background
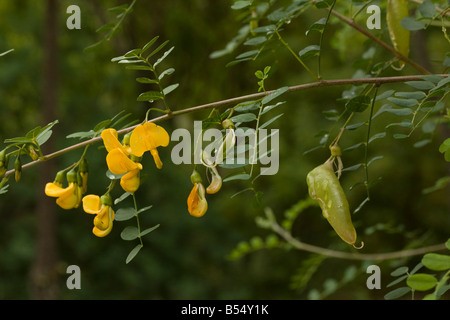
<point>44,275</point>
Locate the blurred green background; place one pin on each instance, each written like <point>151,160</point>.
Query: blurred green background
<point>186,258</point>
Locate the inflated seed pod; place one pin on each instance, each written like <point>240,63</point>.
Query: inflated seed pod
<point>324,187</point>
<point>396,10</point>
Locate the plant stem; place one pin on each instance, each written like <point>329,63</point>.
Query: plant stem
<point>355,26</point>
<point>366,150</point>
<point>137,219</point>
<point>296,55</point>
<point>348,255</point>
<point>321,40</point>
<point>222,103</point>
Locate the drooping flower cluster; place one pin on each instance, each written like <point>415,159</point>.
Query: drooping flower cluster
<point>196,202</point>
<point>68,197</point>
<point>123,159</point>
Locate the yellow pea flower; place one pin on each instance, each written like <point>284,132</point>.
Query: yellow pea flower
<point>110,140</point>
<point>148,137</point>
<point>130,182</point>
<point>197,204</point>
<point>119,163</point>
<point>120,160</point>
<point>101,207</point>
<point>67,198</point>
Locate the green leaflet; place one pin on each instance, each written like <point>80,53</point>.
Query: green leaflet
<point>396,11</point>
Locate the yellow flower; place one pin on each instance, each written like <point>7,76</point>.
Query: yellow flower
<point>119,161</point>
<point>101,207</point>
<point>67,198</point>
<point>148,137</point>
<point>197,204</point>
<point>110,140</point>
<point>130,182</point>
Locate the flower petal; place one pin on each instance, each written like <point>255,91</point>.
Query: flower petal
<point>102,233</point>
<point>91,204</point>
<point>55,190</point>
<point>130,182</point>
<point>146,137</point>
<point>160,136</point>
<point>156,158</point>
<point>138,141</point>
<point>197,204</point>
<point>119,163</point>
<point>216,182</point>
<point>110,139</point>
<point>101,220</point>
<point>69,200</point>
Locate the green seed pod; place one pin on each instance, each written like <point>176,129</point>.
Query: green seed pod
<point>324,187</point>
<point>396,10</point>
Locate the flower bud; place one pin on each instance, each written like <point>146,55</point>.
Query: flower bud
<point>227,124</point>
<point>17,169</point>
<point>126,139</point>
<point>2,158</point>
<point>3,163</point>
<point>84,165</point>
<point>196,177</point>
<point>32,152</point>
<point>72,176</point>
<point>106,200</point>
<point>59,179</point>
<point>2,171</point>
<point>335,151</point>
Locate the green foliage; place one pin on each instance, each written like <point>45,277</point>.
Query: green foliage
<point>113,28</point>
<point>331,285</point>
<point>422,282</point>
<point>115,122</point>
<point>139,59</point>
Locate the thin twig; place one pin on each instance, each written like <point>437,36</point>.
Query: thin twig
<point>222,103</point>
<point>352,256</point>
<point>355,26</point>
